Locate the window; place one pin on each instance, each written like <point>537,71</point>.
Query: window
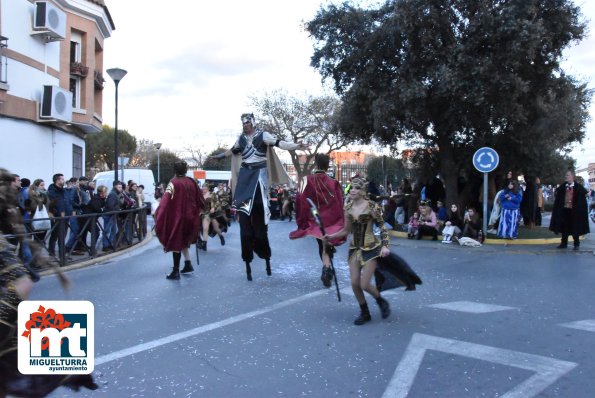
<point>75,58</point>
<point>3,44</point>
<point>77,161</point>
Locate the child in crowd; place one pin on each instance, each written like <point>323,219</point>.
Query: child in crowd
<point>413,225</point>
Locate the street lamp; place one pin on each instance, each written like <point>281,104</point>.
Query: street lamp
<point>158,146</point>
<point>123,160</point>
<point>116,74</point>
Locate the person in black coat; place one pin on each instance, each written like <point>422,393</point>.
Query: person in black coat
<point>570,214</point>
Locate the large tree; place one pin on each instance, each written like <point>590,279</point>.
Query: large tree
<point>167,159</point>
<point>145,151</point>
<point>99,148</point>
<point>310,119</point>
<point>456,75</point>
<point>216,164</point>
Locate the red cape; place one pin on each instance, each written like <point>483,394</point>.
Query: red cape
<point>177,220</point>
<point>327,195</point>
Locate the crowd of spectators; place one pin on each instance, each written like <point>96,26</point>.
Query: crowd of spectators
<point>43,207</point>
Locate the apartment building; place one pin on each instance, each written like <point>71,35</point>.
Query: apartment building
<point>51,82</point>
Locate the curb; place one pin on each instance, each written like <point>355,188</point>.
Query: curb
<point>99,259</point>
<point>506,242</point>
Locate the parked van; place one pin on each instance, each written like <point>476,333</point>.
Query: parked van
<point>143,177</point>
<point>212,176</point>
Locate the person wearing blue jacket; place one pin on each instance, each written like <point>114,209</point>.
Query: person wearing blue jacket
<point>510,201</point>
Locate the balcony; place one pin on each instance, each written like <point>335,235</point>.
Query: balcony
<point>79,70</point>
<point>98,80</point>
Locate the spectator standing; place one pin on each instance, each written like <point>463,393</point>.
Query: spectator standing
<point>58,207</point>
<point>73,200</point>
<point>539,201</point>
<point>37,200</point>
<point>110,221</point>
<point>569,214</point>
<point>510,200</point>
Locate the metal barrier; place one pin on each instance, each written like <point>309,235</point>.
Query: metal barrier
<point>82,234</point>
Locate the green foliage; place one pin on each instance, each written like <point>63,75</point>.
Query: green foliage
<point>309,119</point>
<point>385,170</point>
<point>99,148</point>
<point>217,164</point>
<point>457,75</point>
<point>167,159</point>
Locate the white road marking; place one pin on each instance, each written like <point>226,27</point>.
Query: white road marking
<point>201,329</point>
<point>471,307</point>
<point>588,325</point>
<point>548,370</point>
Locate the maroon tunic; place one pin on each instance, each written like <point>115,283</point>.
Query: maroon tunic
<point>327,195</point>
<point>177,219</point>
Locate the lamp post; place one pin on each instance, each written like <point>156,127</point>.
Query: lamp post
<point>158,146</point>
<point>116,74</point>
<point>123,162</point>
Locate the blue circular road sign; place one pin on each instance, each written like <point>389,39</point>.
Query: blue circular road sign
<point>485,159</point>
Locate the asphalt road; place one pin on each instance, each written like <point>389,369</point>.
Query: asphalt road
<point>486,322</point>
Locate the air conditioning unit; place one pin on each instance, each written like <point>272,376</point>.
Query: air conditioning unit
<point>56,104</point>
<point>49,21</point>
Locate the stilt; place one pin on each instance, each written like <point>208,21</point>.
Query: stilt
<point>248,271</point>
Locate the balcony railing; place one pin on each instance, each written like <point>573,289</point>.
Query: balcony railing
<point>79,70</point>
<point>98,80</point>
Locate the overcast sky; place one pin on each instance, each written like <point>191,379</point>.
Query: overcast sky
<point>193,65</point>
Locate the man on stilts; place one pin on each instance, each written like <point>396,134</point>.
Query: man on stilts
<point>177,220</point>
<point>254,166</point>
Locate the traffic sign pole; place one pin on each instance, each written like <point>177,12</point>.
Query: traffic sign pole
<point>485,204</point>
<point>485,160</point>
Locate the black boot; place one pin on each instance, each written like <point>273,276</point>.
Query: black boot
<point>222,240</point>
<point>204,245</point>
<point>268,267</point>
<point>364,315</point>
<point>384,307</point>
<point>248,271</point>
<point>327,276</point>
<point>187,267</point>
<point>175,272</point>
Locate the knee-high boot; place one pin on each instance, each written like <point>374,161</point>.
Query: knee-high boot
<point>175,272</point>
<point>384,306</point>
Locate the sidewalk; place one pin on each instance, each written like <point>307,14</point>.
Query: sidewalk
<point>537,246</point>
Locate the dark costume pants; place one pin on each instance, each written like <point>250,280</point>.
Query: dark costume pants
<point>254,232</point>
<point>567,227</point>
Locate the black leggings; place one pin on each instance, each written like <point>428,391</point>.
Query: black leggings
<point>254,233</point>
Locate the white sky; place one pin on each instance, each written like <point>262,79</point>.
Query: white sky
<point>192,66</point>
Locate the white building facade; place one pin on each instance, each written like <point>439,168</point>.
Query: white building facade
<point>51,81</point>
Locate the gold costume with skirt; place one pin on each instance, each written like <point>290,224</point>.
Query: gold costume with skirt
<point>364,244</point>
